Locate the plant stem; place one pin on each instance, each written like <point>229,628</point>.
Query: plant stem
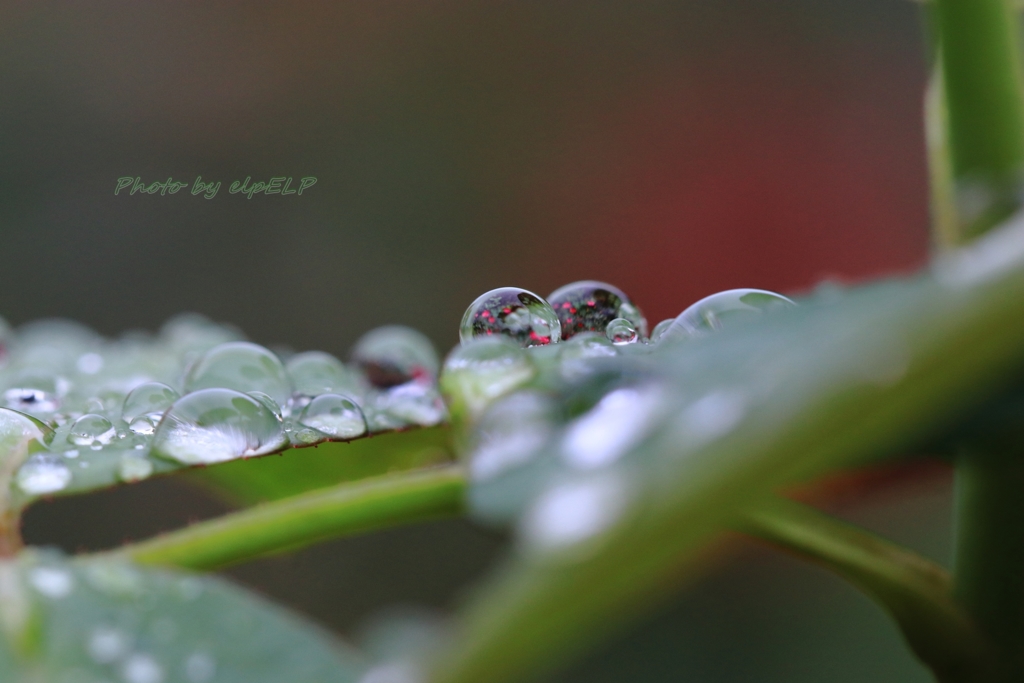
<point>914,590</point>
<point>293,523</point>
<point>990,550</point>
<point>981,72</point>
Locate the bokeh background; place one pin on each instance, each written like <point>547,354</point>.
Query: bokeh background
<point>671,148</point>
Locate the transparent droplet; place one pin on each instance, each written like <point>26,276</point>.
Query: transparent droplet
<point>576,357</point>
<point>143,426</point>
<point>90,430</point>
<point>394,355</point>
<point>134,467</point>
<point>36,393</point>
<point>241,366</point>
<point>476,374</point>
<point>510,434</point>
<point>268,402</point>
<point>724,308</point>
<point>589,306</point>
<point>214,425</point>
<point>150,399</point>
<point>660,329</point>
<point>334,415</point>
<point>409,404</point>
<point>315,372</point>
<point>53,582</point>
<point>41,474</point>
<point>512,312</point>
<point>620,332</point>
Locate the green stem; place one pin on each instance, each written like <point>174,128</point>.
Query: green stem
<point>990,550</point>
<point>914,590</point>
<point>293,523</point>
<point>981,70</point>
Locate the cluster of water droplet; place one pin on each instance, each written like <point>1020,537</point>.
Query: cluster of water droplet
<point>552,449</point>
<point>98,410</point>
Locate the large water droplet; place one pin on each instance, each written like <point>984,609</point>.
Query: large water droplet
<point>589,306</point>
<point>41,474</point>
<point>393,355</point>
<point>512,312</point>
<point>334,415</point>
<point>90,430</point>
<point>214,425</point>
<point>476,374</point>
<point>241,366</point>
<point>620,332</point>
<point>407,404</point>
<point>315,372</point>
<point>150,399</point>
<point>660,329</point>
<point>724,308</point>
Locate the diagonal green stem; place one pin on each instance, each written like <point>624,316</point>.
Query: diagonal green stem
<point>914,590</point>
<point>299,521</point>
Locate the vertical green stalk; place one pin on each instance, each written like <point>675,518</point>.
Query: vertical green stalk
<point>978,77</point>
<point>977,44</point>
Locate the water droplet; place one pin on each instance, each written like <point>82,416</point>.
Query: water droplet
<point>73,453</point>
<point>106,644</point>
<point>200,667</point>
<point>91,430</point>
<point>150,399</point>
<point>334,415</point>
<point>268,403</point>
<point>620,420</point>
<point>53,582</point>
<point>134,467</point>
<point>214,425</point>
<point>394,355</point>
<point>572,513</point>
<point>35,393</point>
<point>241,366</point>
<point>315,372</point>
<point>114,577</point>
<point>512,312</point>
<point>589,306</point>
<point>713,312</point>
<point>510,434</point>
<point>476,374</point>
<point>575,356</point>
<point>41,474</point>
<point>412,403</point>
<point>660,329</point>
<point>620,332</point>
<point>89,363</point>
<point>143,426</point>
<point>141,668</point>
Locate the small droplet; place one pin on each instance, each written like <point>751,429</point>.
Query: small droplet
<point>510,434</point>
<point>315,372</point>
<point>92,430</point>
<point>589,306</point>
<point>150,399</point>
<point>134,467</point>
<point>53,582</point>
<point>476,374</point>
<point>621,332</point>
<point>241,366</point>
<point>36,394</point>
<point>141,668</point>
<point>143,426</point>
<point>713,312</point>
<point>660,329</point>
<point>215,425</point>
<point>268,402</point>
<point>394,355</point>
<point>334,415</point>
<point>576,356</point>
<point>411,404</point>
<point>512,312</point>
<point>41,474</point>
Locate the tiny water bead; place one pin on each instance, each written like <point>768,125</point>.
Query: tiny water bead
<point>621,331</point>
<point>334,415</point>
<point>92,430</point>
<point>149,399</point>
<point>589,306</point>
<point>724,308</point>
<point>660,329</point>
<point>41,474</point>
<point>315,372</point>
<point>216,425</point>
<point>393,355</point>
<point>512,312</point>
<point>242,366</point>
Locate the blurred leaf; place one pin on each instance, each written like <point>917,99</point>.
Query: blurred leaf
<point>102,619</point>
<point>607,524</point>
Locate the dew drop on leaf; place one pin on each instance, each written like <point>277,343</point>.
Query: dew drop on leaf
<point>512,312</point>
<point>241,366</point>
<point>90,430</point>
<point>621,331</point>
<point>134,467</point>
<point>478,373</point>
<point>215,425</point>
<point>718,310</point>
<point>149,399</point>
<point>393,355</point>
<point>315,372</point>
<point>660,328</point>
<point>53,582</point>
<point>41,474</point>
<point>334,415</point>
<point>589,306</point>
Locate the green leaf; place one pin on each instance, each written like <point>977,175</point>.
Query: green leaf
<point>98,620</point>
<point>607,526</point>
